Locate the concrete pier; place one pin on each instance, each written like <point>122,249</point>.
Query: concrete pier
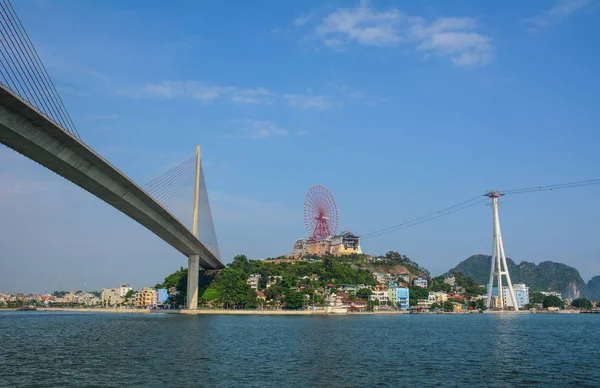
<point>192,285</point>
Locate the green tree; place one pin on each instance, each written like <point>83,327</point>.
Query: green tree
<point>416,293</point>
<point>536,297</point>
<point>552,301</point>
<point>235,292</point>
<point>363,294</point>
<point>480,305</point>
<point>582,303</point>
<point>293,299</point>
<point>448,306</point>
<point>435,306</point>
<point>130,294</point>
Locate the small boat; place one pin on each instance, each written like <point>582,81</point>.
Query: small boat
<point>26,308</point>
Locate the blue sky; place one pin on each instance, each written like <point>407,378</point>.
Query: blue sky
<point>399,108</point>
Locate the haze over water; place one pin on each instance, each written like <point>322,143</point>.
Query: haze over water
<point>46,349</point>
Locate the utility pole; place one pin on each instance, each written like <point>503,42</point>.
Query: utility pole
<point>498,264</point>
<point>194,260</point>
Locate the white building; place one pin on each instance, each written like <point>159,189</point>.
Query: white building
<point>253,281</point>
<point>124,289</point>
<point>521,292</point>
<point>553,293</point>
<point>381,296</point>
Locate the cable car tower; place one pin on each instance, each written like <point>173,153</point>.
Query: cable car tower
<point>498,265</point>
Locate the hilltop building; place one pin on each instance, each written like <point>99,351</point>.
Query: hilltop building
<point>345,243</point>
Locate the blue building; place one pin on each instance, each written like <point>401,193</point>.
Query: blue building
<point>163,295</point>
<point>402,295</point>
<point>521,295</point>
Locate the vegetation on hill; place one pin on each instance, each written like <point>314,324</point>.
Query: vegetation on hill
<point>229,288</point>
<point>582,303</point>
<point>546,276</point>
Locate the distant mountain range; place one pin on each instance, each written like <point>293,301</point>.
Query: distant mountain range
<point>545,276</point>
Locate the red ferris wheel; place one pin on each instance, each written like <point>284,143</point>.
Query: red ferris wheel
<point>320,213</point>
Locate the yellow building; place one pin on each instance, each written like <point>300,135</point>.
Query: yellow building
<point>345,243</point>
<point>148,296</point>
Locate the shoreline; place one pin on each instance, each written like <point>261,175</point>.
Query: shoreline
<point>284,312</point>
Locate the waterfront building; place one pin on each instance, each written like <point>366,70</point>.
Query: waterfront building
<point>402,298</point>
<point>419,282</point>
<point>380,295</point>
<point>392,298</point>
<point>146,297</point>
<point>124,289</point>
<point>423,304</point>
<point>521,292</point>
<point>162,295</point>
<point>253,281</point>
<point>111,296</point>
<point>437,297</point>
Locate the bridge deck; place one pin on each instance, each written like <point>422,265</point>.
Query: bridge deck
<point>32,134</point>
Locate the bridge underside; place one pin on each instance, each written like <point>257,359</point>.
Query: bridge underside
<point>32,134</point>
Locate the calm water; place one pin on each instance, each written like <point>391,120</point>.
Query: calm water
<point>42,349</point>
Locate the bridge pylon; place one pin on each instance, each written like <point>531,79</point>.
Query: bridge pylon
<point>194,260</point>
<point>498,264</point>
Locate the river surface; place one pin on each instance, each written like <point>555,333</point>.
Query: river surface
<point>48,349</point>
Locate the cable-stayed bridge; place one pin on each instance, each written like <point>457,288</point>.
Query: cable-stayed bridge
<point>35,123</point>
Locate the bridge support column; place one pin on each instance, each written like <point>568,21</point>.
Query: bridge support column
<point>192,286</point>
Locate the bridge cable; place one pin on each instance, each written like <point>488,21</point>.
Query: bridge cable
<point>25,73</point>
<point>48,101</point>
<point>43,73</point>
<point>16,50</point>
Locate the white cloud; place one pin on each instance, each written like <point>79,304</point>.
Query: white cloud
<point>454,38</point>
<point>555,14</point>
<point>300,21</point>
<point>309,101</point>
<point>203,92</point>
<point>251,96</point>
<point>257,129</point>
<point>361,24</point>
<point>208,93</point>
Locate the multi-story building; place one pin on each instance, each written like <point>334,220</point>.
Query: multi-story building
<point>253,281</point>
<point>124,289</point>
<point>521,292</point>
<point>146,297</point>
<point>419,282</point>
<point>392,298</point>
<point>451,281</point>
<point>381,296</point>
<point>272,280</point>
<point>437,297</point>
<point>402,298</point>
<point>111,296</point>
<point>553,293</point>
<point>345,243</point>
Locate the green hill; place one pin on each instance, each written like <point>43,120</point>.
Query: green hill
<point>545,276</point>
<point>594,289</point>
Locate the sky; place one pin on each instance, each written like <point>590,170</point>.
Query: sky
<point>399,108</point>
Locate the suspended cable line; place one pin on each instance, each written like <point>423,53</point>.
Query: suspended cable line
<point>559,186</point>
<point>417,220</point>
